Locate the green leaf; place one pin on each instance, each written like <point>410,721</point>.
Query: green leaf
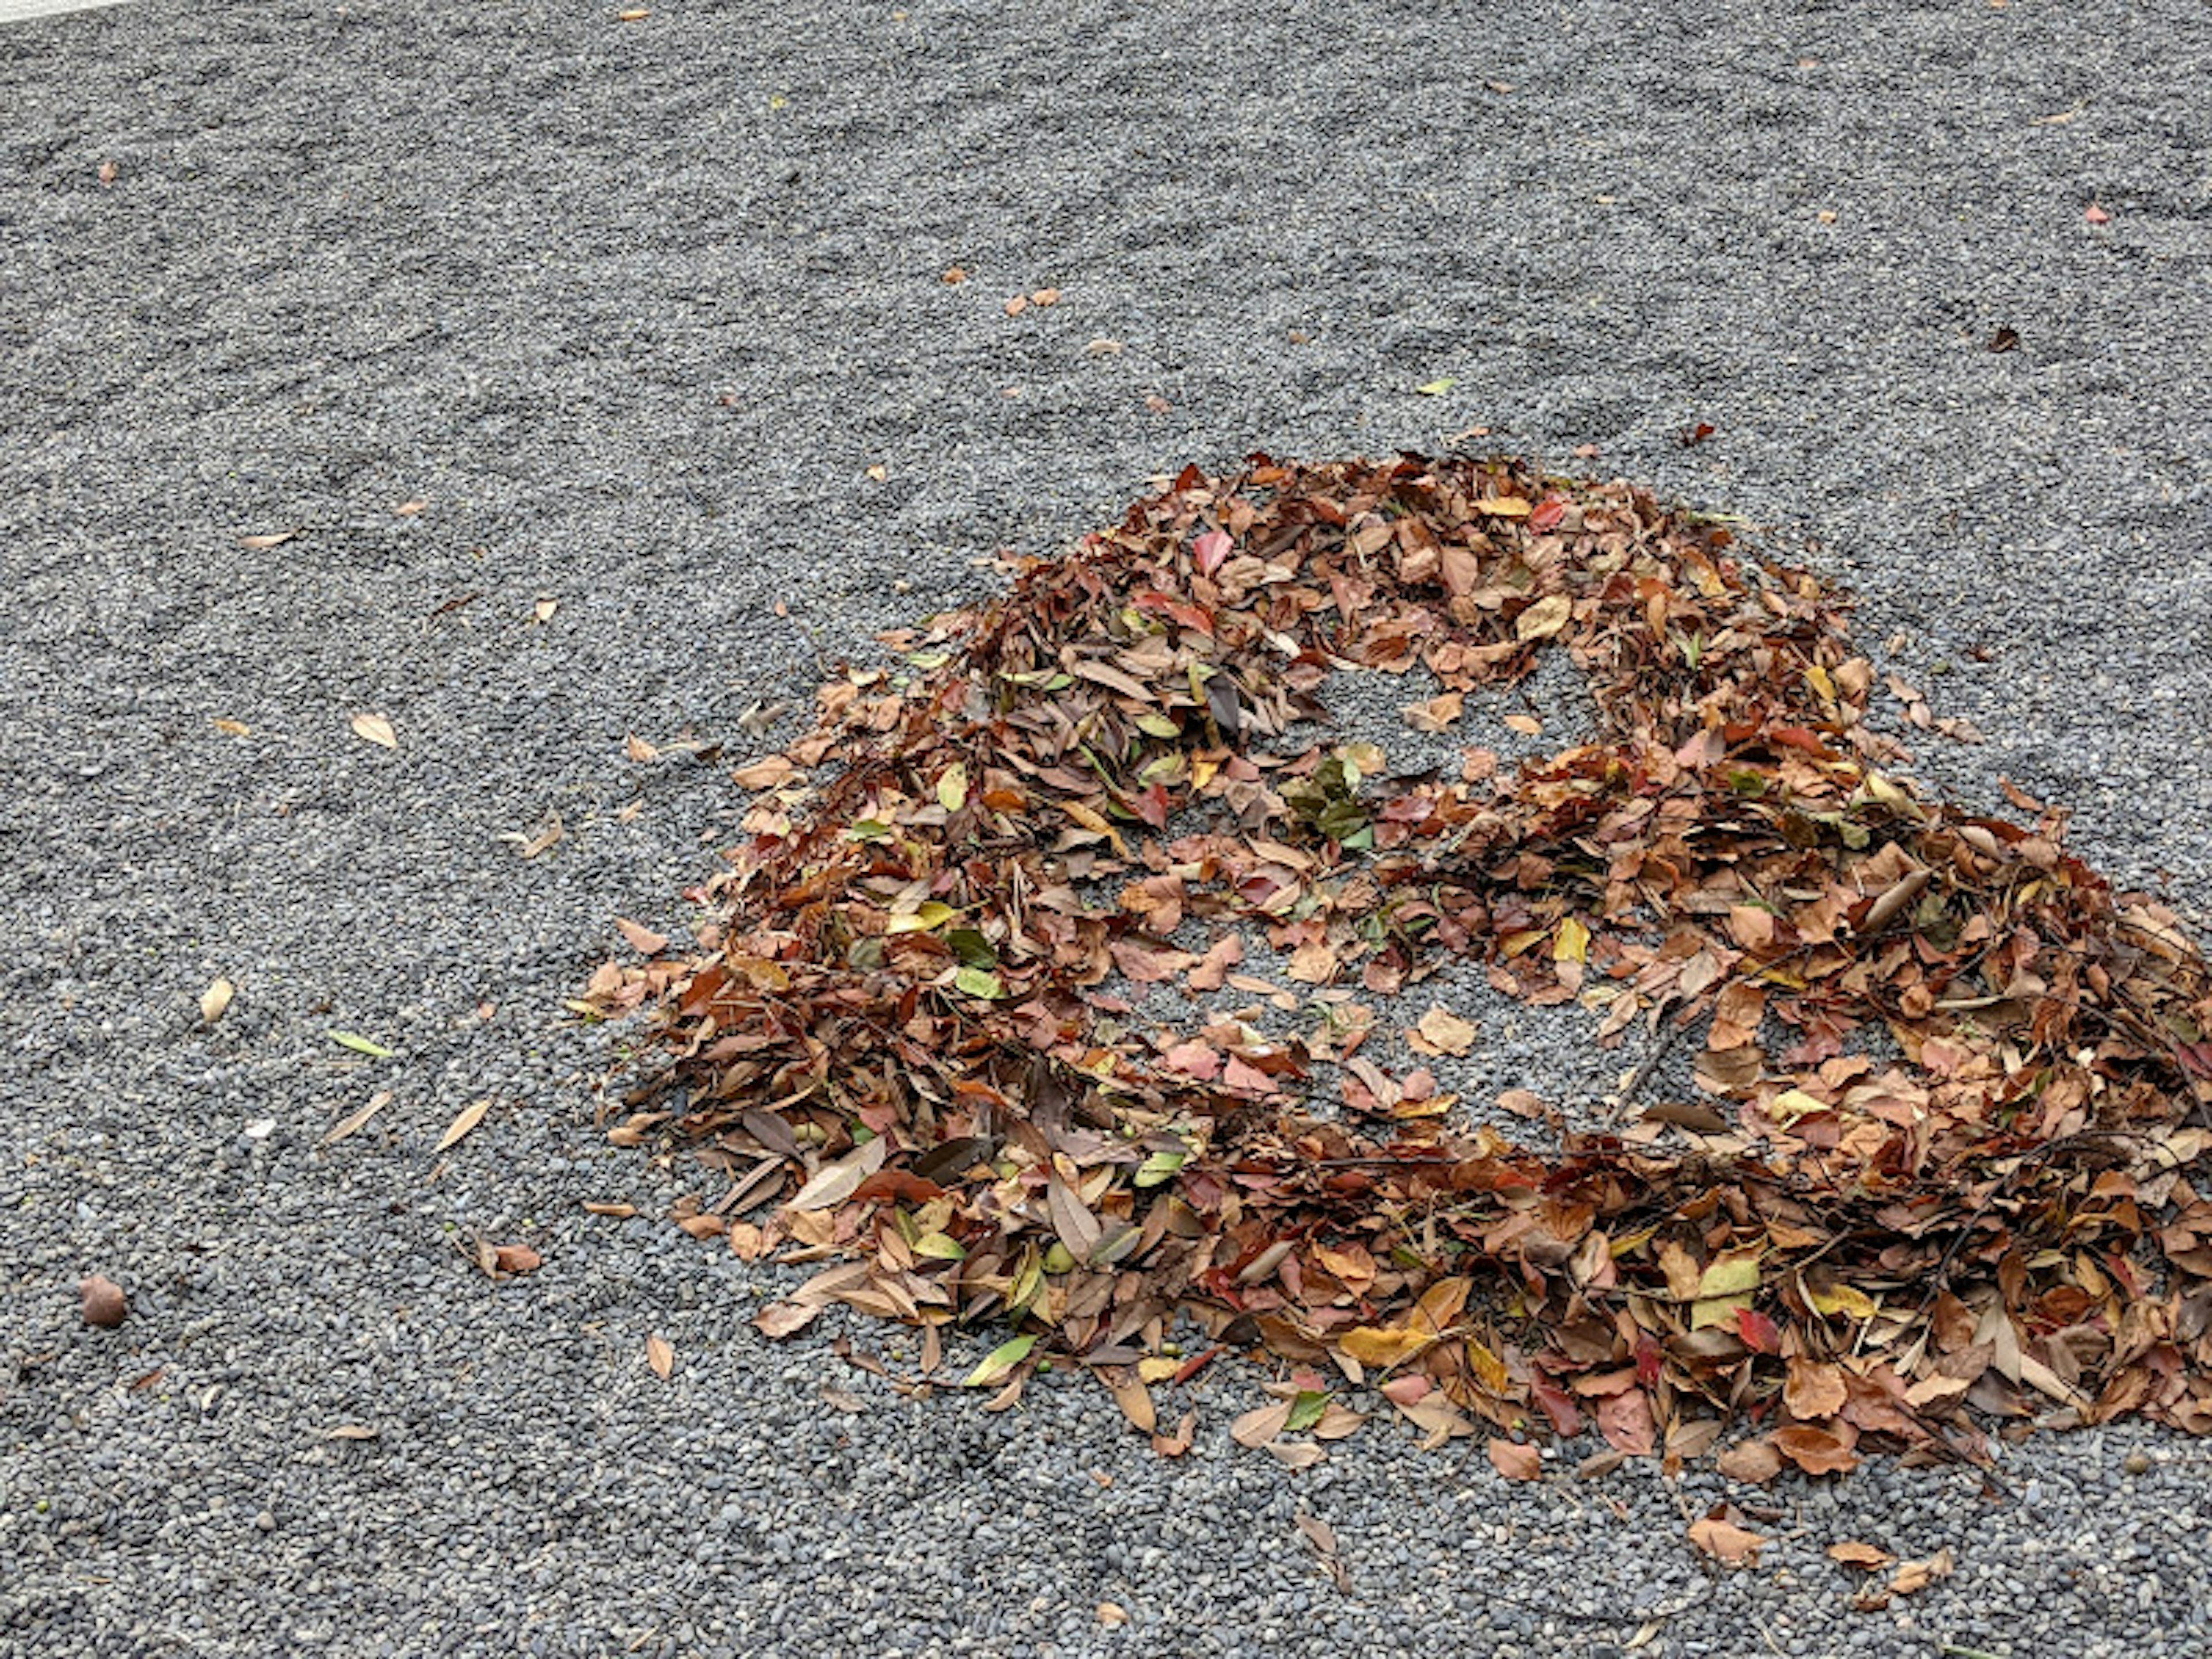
<point>975,982</point>
<point>360,1045</point>
<point>868,829</point>
<point>1001,1360</point>
<point>1158,726</point>
<point>972,948</point>
<point>1160,1167</point>
<point>1307,1409</point>
<point>1438,388</point>
<point>940,1247</point>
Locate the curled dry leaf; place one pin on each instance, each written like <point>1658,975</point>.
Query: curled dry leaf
<point>660,1354</point>
<point>1868,1557</point>
<point>516,1259</point>
<point>215,999</point>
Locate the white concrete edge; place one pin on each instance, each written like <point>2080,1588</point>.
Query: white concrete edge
<point>17,11</point>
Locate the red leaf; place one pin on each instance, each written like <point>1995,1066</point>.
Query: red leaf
<point>1211,549</point>
<point>1648,1357</point>
<point>1759,1333</point>
<point>1547,514</point>
<point>1152,807</point>
<point>2097,215</point>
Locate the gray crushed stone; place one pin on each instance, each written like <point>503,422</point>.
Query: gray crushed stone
<point>633,308</point>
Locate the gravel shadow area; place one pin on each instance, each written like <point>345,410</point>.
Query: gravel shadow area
<point>633,310</point>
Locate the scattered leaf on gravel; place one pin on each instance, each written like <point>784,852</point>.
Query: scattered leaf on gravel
<point>661,1355</point>
<point>516,1259</point>
<point>353,1122</point>
<point>1436,388</point>
<point>1716,1535</point>
<point>1001,1360</point>
<point>642,939</point>
<point>469,1116</point>
<point>351,1431</point>
<point>1866,1557</point>
<point>1517,1462</point>
<point>1444,1032</point>
<point>374,728</point>
<point>231,728</point>
<point>215,999</point>
<point>359,1044</point>
<point>262,543</point>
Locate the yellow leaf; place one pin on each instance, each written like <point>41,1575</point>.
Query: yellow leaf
<point>1157,1368</point>
<point>215,999</point>
<point>922,919</point>
<point>1792,1105</point>
<point>1842,1299</point>
<point>1573,943</point>
<point>233,728</point>
<point>1502,507</point>
<point>1731,1274</point>
<point>1546,616</point>
<point>1489,1370</point>
<point>469,1117</point>
<point>376,729</point>
<point>660,1355</point>
<point>953,787</point>
<point>1370,1345</point>
<point>1823,687</point>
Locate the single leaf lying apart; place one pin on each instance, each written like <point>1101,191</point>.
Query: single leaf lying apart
<point>1938,1170</point>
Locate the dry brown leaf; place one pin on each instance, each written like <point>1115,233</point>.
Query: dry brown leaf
<point>1443,1032</point>
<point>1865,1557</point>
<point>1756,1461</point>
<point>1725,1541</point>
<point>1260,1424</point>
<point>215,999</point>
<point>516,1259</point>
<point>661,1355</point>
<point>642,939</point>
<point>1517,1462</point>
<point>231,728</point>
<point>467,1119</point>
<point>374,728</point>
<point>1135,1400</point>
<point>263,544</point>
<point>409,510</point>
<point>353,1122</point>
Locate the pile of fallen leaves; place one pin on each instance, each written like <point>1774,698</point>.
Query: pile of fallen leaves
<point>900,1018</point>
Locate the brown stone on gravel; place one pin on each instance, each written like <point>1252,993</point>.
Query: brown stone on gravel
<point>104,1304</point>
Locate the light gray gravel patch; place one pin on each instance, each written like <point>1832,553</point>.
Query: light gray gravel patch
<point>632,309</point>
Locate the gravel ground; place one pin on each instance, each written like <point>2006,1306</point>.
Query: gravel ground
<point>633,309</point>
